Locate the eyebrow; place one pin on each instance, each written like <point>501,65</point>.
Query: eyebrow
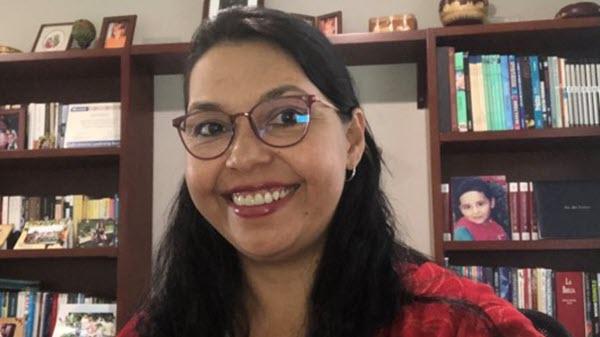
<point>271,94</point>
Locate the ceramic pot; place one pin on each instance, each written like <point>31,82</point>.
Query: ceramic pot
<point>578,10</point>
<point>463,12</point>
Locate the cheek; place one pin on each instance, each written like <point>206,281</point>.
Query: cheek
<point>200,179</point>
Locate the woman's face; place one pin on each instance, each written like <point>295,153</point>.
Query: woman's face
<point>476,207</point>
<point>307,177</point>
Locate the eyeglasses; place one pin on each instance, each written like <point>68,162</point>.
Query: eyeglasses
<point>279,122</point>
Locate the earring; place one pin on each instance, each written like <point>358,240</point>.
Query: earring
<point>352,174</point>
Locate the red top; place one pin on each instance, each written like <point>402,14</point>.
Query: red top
<point>489,230</point>
<point>438,319</point>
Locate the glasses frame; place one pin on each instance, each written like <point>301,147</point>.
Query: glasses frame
<point>308,99</point>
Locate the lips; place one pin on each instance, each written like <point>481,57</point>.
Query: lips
<point>254,202</point>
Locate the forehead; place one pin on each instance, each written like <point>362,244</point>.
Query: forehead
<point>472,196</point>
<point>237,73</point>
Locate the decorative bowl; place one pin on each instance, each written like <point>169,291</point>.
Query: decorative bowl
<point>463,12</point>
<point>578,10</point>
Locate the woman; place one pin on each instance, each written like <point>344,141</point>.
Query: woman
<point>281,227</point>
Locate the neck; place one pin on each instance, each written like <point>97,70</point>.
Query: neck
<point>277,295</point>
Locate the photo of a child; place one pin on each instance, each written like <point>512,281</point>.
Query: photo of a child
<point>479,206</point>
<point>117,35</point>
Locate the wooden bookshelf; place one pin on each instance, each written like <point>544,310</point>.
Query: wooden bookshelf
<point>79,76</point>
<point>521,155</point>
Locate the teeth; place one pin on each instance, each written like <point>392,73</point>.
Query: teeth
<point>261,197</point>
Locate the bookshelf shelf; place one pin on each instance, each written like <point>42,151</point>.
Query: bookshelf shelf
<point>534,245</point>
<point>75,253</point>
<point>109,152</point>
<point>521,139</point>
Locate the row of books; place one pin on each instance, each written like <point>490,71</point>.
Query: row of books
<point>57,125</point>
<point>487,208</point>
<point>570,297</point>
<point>509,92</point>
<point>26,311</point>
<point>58,222</point>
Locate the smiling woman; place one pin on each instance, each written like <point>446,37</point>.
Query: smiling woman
<point>281,227</point>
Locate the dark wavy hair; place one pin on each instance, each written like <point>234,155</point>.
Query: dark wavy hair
<point>197,286</point>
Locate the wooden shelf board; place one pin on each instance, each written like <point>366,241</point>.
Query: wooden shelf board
<point>60,153</point>
<point>110,253</point>
<point>510,135</point>
<point>520,139</point>
<point>518,27</point>
<point>534,245</point>
<point>100,63</point>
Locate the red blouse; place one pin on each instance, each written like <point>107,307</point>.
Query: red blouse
<point>438,319</point>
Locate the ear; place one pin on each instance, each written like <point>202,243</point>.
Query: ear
<point>493,203</point>
<point>355,135</point>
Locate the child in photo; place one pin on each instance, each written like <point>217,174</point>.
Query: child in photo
<point>479,209</point>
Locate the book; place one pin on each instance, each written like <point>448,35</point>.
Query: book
<point>480,210</point>
<point>45,234</point>
<point>444,103</point>
<point>567,209</point>
<point>96,233</point>
<point>89,320</point>
<point>461,94</point>
<point>11,327</point>
<point>570,302</point>
<point>14,284</point>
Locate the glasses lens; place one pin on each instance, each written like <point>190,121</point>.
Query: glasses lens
<point>206,134</point>
<point>283,121</point>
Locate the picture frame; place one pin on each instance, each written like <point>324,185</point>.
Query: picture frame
<point>53,37</point>
<point>117,32</point>
<point>311,20</point>
<point>12,128</point>
<point>330,24</point>
<point>212,7</point>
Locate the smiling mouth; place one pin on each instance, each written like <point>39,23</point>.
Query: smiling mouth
<point>261,197</point>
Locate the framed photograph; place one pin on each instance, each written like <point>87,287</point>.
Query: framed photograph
<point>117,31</point>
<point>311,20</point>
<point>11,327</point>
<point>330,24</point>
<point>12,128</point>
<point>53,37</point>
<point>212,7</point>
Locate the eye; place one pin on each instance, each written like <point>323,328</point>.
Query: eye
<point>209,129</point>
<point>289,116</point>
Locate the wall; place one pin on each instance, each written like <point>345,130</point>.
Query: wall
<point>386,92</point>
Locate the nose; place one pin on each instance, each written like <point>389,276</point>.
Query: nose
<point>246,150</point>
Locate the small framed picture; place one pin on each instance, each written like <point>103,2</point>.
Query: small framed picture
<point>212,7</point>
<point>117,31</point>
<point>330,24</point>
<point>12,128</point>
<point>311,20</point>
<point>53,37</point>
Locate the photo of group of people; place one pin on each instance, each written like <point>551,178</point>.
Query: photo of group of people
<point>9,130</point>
<point>86,324</point>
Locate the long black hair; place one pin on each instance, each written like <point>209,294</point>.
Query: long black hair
<point>197,286</point>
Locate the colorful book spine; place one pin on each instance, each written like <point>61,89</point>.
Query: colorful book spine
<point>506,92</point>
<point>536,92</point>
<point>461,94</point>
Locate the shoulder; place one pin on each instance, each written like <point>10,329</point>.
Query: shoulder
<point>442,318</point>
<point>462,234</point>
